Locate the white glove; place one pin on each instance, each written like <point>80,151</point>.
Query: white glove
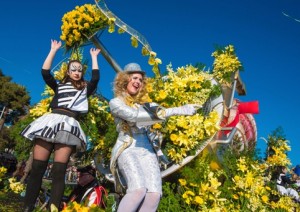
<point>189,109</point>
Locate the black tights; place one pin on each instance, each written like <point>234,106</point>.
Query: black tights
<point>58,183</point>
<point>41,154</point>
<point>34,182</point>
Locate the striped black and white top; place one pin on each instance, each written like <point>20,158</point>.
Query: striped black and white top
<point>67,96</point>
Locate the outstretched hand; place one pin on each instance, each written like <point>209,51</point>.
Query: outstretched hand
<point>94,51</point>
<point>190,109</point>
<point>55,45</point>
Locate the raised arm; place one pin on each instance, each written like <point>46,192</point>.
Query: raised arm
<point>94,53</point>
<point>55,45</point>
<point>92,85</point>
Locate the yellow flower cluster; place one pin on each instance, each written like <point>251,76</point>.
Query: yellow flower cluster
<point>3,171</point>
<point>16,187</point>
<point>187,85</point>
<point>59,74</point>
<point>76,207</point>
<point>279,158</point>
<point>205,195</point>
<point>41,108</point>
<point>187,132</point>
<point>244,185</point>
<point>81,23</point>
<point>285,203</point>
<point>249,186</point>
<point>225,64</point>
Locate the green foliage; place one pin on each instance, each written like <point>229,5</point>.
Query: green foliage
<point>197,170</point>
<point>228,178</point>
<point>15,98</point>
<point>5,141</point>
<point>110,139</point>
<point>22,146</point>
<point>11,202</point>
<point>171,200</point>
<point>229,161</point>
<point>13,95</point>
<point>111,201</point>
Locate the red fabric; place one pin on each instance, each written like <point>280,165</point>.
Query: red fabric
<point>99,191</point>
<point>95,196</point>
<point>248,107</point>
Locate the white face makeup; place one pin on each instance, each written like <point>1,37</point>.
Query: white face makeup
<point>76,67</point>
<point>75,71</point>
<point>135,84</point>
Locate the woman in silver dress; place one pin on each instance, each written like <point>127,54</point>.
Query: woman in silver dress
<point>59,131</point>
<point>134,158</point>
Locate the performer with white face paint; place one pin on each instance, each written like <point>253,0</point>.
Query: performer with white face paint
<point>134,157</point>
<point>59,131</point>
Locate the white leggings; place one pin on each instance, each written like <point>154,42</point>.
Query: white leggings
<point>139,200</point>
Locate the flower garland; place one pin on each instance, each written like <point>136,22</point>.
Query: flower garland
<point>80,24</point>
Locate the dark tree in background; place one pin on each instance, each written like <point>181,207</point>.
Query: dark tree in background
<point>14,104</point>
<point>13,97</point>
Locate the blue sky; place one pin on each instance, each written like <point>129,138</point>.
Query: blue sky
<point>181,32</point>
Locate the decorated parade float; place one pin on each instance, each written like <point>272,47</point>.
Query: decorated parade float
<point>223,119</point>
<point>223,123</point>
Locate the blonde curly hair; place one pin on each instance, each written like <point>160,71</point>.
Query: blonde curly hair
<point>120,87</point>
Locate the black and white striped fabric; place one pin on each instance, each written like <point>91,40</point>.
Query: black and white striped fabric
<point>69,97</point>
<point>56,128</point>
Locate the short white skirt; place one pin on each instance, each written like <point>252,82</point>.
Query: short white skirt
<point>56,128</point>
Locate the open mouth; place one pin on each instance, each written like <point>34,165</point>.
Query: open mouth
<point>136,86</point>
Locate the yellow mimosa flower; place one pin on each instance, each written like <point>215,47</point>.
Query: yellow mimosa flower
<point>134,42</point>
<point>157,126</point>
<point>182,182</point>
<point>162,95</point>
<point>199,200</point>
<point>173,137</point>
<point>214,165</point>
